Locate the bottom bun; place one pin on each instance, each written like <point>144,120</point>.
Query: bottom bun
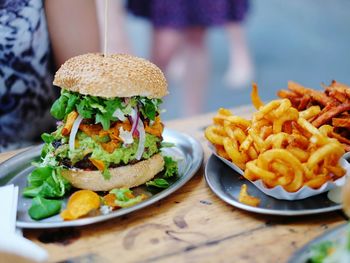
<point>124,176</point>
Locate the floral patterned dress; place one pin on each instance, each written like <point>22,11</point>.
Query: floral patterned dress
<point>26,74</point>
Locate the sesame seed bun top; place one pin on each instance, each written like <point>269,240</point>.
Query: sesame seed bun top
<point>117,75</point>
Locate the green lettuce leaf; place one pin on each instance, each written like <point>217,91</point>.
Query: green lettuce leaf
<point>171,168</point>
<point>46,182</point>
<point>47,137</point>
<point>159,183</point>
<point>166,178</point>
<point>150,107</point>
<point>58,109</point>
<point>42,208</point>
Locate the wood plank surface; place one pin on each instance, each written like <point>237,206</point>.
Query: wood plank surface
<point>191,225</point>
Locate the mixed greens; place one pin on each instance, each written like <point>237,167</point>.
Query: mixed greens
<point>102,109</point>
<point>167,178</point>
<point>331,251</point>
<point>102,134</point>
<point>46,182</point>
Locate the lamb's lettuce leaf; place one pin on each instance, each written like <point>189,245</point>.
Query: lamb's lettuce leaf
<point>42,208</point>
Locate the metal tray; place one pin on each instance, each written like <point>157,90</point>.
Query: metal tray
<point>333,235</point>
<point>226,184</point>
<point>187,150</point>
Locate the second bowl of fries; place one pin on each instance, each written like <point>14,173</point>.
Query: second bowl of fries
<point>278,150</point>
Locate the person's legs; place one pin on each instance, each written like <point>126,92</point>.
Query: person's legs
<point>166,42</point>
<point>240,71</point>
<point>196,72</point>
<point>177,66</point>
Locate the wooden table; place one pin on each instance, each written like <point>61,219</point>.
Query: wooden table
<point>191,225</point>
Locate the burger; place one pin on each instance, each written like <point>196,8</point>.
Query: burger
<point>109,131</point>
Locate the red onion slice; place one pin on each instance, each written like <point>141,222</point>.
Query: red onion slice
<point>142,139</point>
<point>74,131</point>
<point>135,119</point>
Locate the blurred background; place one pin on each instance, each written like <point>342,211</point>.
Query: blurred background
<point>210,51</point>
<point>304,41</point>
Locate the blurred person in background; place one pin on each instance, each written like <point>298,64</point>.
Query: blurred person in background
<point>36,38</point>
<point>241,70</point>
<point>179,28</point>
